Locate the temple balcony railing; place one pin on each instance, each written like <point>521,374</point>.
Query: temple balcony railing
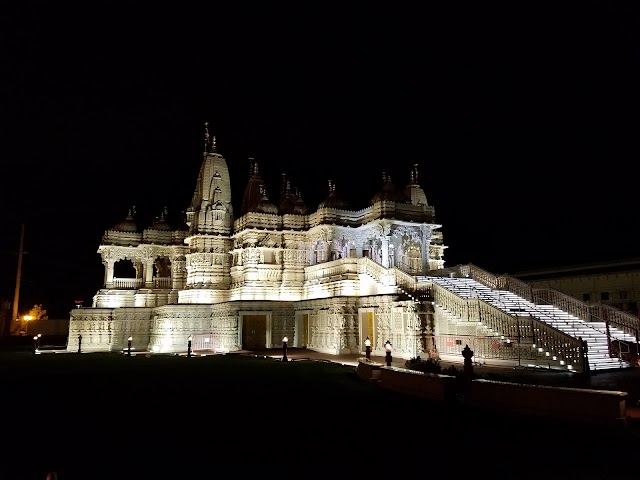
<point>137,283</point>
<point>127,283</point>
<point>327,270</point>
<point>162,282</point>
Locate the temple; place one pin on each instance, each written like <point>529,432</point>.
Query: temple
<point>326,279</point>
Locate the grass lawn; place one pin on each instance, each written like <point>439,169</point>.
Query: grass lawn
<point>105,415</point>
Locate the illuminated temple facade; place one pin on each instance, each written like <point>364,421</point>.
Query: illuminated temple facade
<point>326,279</point>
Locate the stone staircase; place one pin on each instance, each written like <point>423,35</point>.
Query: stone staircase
<point>594,333</point>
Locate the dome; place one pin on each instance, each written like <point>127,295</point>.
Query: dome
<point>388,192</point>
<point>161,222</point>
<point>264,205</point>
<point>255,193</point>
<point>333,200</point>
<point>128,224</point>
<point>300,208</point>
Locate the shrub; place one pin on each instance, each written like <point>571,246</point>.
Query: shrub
<point>430,365</point>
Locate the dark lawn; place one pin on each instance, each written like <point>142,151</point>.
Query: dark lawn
<point>95,416</point>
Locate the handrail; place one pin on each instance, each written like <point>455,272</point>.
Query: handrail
<point>545,336</point>
<point>624,321</point>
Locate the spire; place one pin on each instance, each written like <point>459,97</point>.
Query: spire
<point>213,145</point>
<point>414,174</point>
<point>206,137</point>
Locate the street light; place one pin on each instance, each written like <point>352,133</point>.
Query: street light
<point>129,346</point>
<point>189,345</point>
<point>35,343</point>
<point>38,344</point>
<point>367,346</point>
<point>27,319</point>
<point>284,349</point>
<point>387,347</point>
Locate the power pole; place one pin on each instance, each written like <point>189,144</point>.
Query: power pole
<point>16,295</point>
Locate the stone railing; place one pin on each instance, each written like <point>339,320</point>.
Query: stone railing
<point>162,282</point>
<point>127,283</point>
<point>331,269</point>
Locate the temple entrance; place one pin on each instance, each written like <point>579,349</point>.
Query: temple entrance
<point>367,327</point>
<point>254,332</point>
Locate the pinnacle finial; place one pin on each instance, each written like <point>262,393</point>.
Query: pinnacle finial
<point>206,137</point>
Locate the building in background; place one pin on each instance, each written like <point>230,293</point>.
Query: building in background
<point>616,284</point>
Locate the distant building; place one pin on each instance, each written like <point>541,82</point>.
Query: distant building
<point>616,284</point>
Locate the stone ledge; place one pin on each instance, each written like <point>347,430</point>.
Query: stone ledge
<point>368,370</point>
<point>605,406</point>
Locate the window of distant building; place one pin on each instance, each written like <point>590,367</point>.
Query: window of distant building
<point>604,296</point>
<point>586,297</point>
<point>624,295</point>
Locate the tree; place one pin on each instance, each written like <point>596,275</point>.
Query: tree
<point>38,313</point>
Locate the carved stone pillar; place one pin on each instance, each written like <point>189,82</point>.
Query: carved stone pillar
<point>426,241</point>
<point>385,251</point>
<point>148,273</point>
<point>108,273</point>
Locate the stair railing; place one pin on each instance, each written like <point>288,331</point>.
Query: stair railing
<point>541,336</point>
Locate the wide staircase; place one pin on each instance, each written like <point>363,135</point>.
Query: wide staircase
<point>593,332</point>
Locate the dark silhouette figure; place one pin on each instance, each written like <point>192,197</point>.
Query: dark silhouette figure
<point>467,354</point>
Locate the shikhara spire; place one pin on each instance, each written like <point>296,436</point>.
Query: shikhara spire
<point>414,174</point>
<point>206,137</point>
<point>209,141</point>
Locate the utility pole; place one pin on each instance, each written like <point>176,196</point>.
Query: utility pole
<point>16,295</point>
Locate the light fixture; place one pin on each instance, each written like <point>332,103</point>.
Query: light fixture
<point>285,340</point>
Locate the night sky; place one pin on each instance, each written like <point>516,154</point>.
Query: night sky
<point>523,121</point>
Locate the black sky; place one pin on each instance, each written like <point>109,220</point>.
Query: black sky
<point>523,121</point>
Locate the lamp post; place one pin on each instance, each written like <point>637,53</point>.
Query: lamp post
<point>38,342</point>
<point>387,347</point>
<point>284,349</point>
<point>35,343</point>
<point>189,346</point>
<point>79,343</point>
<point>367,348</point>
<point>27,319</point>
<point>129,346</point>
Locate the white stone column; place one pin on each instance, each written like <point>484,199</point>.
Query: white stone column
<point>108,274</point>
<point>148,273</point>
<point>385,251</point>
<point>426,241</point>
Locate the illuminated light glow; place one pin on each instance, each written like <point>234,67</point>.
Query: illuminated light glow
<point>570,367</point>
<point>561,362</point>
<point>555,358</point>
<point>155,349</point>
<point>540,349</point>
<point>546,354</point>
